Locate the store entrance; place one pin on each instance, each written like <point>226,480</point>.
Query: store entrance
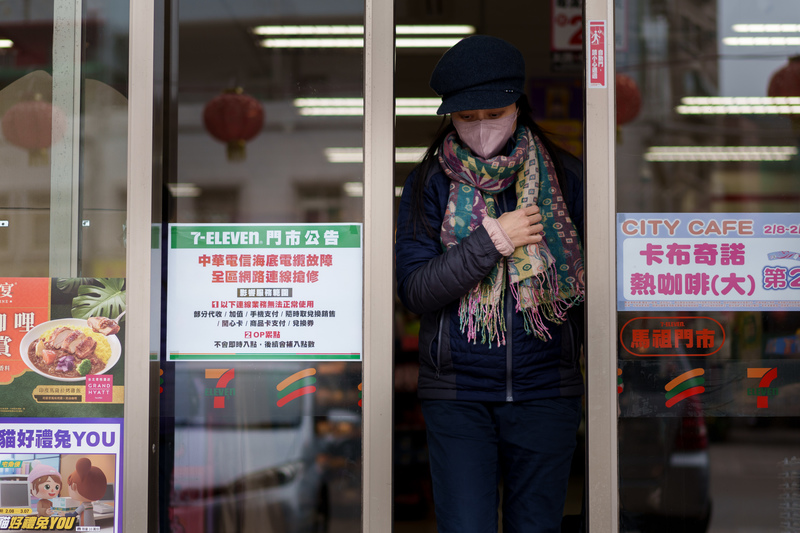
<point>554,74</point>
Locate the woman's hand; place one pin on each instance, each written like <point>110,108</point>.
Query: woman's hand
<point>522,225</point>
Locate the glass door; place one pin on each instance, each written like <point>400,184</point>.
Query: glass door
<point>264,236</point>
<point>706,229</point>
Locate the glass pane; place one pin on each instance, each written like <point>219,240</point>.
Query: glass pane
<point>707,228</point>
<point>63,170</point>
<point>64,131</point>
<point>261,403</point>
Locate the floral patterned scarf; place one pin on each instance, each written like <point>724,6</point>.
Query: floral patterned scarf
<point>546,278</point>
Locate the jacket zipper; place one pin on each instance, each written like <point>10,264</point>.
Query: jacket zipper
<point>509,318</point>
<point>437,362</point>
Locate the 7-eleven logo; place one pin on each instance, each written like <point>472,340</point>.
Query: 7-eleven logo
<point>221,390</point>
<point>763,391</point>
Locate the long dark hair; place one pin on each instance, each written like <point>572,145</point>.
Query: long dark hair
<point>430,163</point>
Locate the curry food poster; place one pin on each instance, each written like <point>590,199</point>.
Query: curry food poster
<point>61,347</point>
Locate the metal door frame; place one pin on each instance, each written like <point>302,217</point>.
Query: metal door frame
<point>601,314</point>
<point>378,265</point>
<point>136,447</point>
<point>378,251</point>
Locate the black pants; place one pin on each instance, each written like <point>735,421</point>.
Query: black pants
<point>524,446</point>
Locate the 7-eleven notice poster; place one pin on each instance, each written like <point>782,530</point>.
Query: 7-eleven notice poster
<point>256,292</point>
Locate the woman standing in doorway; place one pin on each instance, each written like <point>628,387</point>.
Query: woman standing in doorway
<point>489,254</point>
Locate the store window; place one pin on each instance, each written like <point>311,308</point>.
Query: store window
<point>63,271</point>
<point>707,196</point>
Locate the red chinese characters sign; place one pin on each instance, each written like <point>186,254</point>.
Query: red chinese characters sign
<point>24,303</point>
<point>596,54</point>
<point>677,335</point>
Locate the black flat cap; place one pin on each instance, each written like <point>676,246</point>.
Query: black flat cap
<point>479,72</point>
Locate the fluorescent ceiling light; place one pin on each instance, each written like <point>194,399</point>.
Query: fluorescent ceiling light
<point>761,41</point>
<point>328,102</point>
<point>449,29</point>
<point>358,111</point>
<point>430,42</point>
<point>720,153</point>
<point>359,102</point>
<point>355,106</point>
<point>344,155</point>
<point>309,30</point>
<point>331,111</point>
<point>338,36</point>
<point>410,154</point>
<point>355,189</point>
<point>6,43</point>
<point>738,109</point>
<point>741,100</point>
<point>184,190</point>
<point>418,102</point>
<point>766,28</point>
<point>312,43</point>
<point>739,105</point>
<point>416,111</point>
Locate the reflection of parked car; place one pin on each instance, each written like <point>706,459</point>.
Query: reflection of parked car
<point>663,452</point>
<point>339,436</point>
<point>250,465</point>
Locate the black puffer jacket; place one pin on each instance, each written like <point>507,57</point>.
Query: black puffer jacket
<point>431,281</point>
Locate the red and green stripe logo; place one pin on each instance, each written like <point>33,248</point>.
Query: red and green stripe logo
<point>687,384</point>
<point>298,384</point>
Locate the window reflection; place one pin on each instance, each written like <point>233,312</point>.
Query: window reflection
<point>713,135</point>
<point>253,452</point>
<point>64,150</point>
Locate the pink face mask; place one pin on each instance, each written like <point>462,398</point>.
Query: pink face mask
<point>486,137</point>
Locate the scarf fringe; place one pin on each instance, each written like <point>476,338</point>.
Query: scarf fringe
<point>479,311</point>
<point>548,302</point>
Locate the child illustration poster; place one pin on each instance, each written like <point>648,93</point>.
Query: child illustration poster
<point>87,484</point>
<point>45,484</point>
<point>71,480</point>
<point>61,347</point>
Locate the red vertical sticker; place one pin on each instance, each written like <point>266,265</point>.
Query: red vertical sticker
<point>597,54</point>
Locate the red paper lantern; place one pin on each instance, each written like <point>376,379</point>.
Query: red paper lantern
<point>629,99</point>
<point>234,118</point>
<point>786,83</point>
<point>32,125</point>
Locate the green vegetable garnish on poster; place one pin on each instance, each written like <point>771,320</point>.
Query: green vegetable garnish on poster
<point>85,367</point>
